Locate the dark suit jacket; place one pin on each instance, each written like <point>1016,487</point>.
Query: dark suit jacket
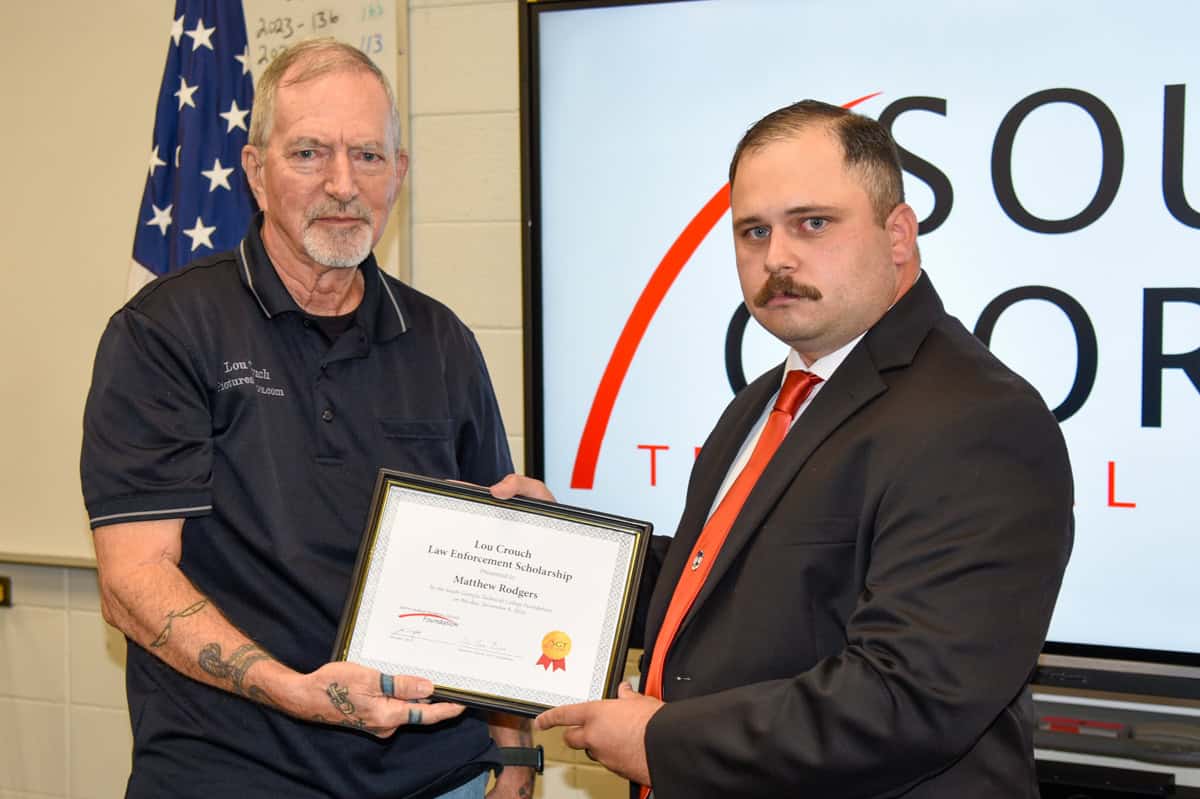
<point>871,624</point>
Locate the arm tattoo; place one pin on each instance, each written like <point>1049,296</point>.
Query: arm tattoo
<point>525,730</point>
<point>190,610</point>
<point>234,669</point>
<point>339,697</point>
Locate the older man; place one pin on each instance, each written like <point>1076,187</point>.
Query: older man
<point>875,531</point>
<point>238,414</point>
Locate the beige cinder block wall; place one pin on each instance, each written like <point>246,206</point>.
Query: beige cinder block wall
<point>77,84</point>
<point>78,133</point>
<point>464,137</point>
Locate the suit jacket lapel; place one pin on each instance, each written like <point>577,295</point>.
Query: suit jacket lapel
<point>717,454</point>
<point>709,471</point>
<point>855,383</point>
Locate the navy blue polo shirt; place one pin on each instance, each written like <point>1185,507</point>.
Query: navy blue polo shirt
<point>214,399</point>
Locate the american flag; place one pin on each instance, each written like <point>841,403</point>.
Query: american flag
<point>196,200</point>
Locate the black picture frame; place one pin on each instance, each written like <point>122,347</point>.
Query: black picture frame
<point>474,500</point>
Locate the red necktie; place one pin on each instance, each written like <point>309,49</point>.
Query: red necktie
<point>796,387</point>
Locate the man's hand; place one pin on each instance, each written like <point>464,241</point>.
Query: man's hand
<point>350,695</point>
<point>518,485</point>
<point>611,731</point>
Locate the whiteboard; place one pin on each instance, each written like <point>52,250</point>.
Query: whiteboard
<point>369,25</point>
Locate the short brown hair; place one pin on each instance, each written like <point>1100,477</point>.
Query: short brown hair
<point>320,56</point>
<point>867,146</point>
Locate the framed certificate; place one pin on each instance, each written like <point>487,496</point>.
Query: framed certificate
<point>514,605</point>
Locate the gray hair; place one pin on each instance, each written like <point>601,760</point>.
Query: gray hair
<point>317,57</point>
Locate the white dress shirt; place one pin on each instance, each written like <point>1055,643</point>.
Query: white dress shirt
<point>822,368</point>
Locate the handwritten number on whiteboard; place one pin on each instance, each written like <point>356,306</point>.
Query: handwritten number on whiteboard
<point>279,26</point>
<point>271,34</point>
<point>371,10</point>
<point>265,56</point>
<point>323,19</point>
<point>372,43</point>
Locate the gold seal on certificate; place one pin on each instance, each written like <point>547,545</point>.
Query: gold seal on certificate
<point>512,605</point>
<point>555,648</point>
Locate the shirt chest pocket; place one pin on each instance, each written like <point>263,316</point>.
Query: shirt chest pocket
<point>420,446</point>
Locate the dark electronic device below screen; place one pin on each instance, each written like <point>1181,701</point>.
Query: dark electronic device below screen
<point>1058,780</point>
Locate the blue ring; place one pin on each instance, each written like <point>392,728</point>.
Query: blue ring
<point>387,684</point>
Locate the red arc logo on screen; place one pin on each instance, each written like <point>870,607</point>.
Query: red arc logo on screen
<point>583,475</point>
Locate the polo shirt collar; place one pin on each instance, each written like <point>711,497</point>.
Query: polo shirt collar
<point>381,313</point>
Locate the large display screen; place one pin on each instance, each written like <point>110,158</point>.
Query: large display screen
<point>1054,160</point>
